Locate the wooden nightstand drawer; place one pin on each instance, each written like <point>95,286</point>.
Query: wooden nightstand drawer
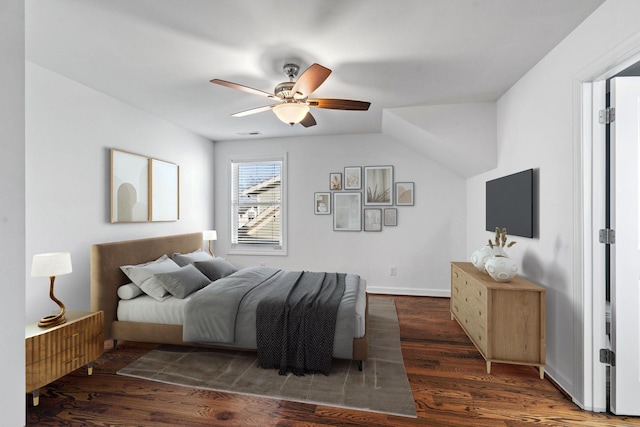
<point>54,352</point>
<point>43,346</point>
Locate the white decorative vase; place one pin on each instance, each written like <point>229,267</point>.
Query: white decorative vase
<point>480,257</point>
<point>501,268</point>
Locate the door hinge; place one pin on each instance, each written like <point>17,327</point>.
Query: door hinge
<point>607,356</point>
<point>606,116</point>
<point>607,236</point>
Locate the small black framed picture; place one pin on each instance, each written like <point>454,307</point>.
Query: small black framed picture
<point>404,193</point>
<point>390,217</point>
<point>353,178</point>
<point>322,203</point>
<point>335,181</point>
<point>373,219</point>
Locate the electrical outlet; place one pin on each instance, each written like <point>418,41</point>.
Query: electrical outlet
<point>392,271</point>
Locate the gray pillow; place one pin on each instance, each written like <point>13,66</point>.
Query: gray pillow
<point>183,282</point>
<point>216,268</point>
<point>143,276</point>
<point>190,258</point>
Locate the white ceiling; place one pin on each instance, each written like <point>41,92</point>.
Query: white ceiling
<point>159,55</point>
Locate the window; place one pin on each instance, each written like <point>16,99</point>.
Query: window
<point>258,214</point>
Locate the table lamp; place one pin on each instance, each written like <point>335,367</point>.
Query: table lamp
<point>52,265</point>
<point>210,235</point>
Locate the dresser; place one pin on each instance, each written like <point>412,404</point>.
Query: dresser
<point>505,321</point>
<point>53,352</point>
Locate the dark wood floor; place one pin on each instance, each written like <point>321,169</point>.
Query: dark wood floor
<point>446,372</point>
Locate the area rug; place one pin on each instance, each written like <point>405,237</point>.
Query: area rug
<point>382,386</point>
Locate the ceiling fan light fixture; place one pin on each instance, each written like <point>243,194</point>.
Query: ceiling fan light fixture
<point>291,112</point>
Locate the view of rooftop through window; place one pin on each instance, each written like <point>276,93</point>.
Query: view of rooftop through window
<point>257,199</point>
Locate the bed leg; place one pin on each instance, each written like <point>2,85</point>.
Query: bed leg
<point>359,365</point>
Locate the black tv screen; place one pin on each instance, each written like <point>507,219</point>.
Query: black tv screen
<point>509,204</point>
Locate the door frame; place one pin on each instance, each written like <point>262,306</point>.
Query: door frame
<point>589,183</point>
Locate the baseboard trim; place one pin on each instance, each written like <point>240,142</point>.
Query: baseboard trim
<point>409,291</point>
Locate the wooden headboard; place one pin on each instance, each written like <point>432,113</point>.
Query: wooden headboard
<point>106,259</point>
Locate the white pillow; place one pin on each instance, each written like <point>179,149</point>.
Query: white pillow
<point>143,276</point>
<point>129,291</point>
<point>190,258</point>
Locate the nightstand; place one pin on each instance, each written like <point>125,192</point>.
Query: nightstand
<point>52,353</point>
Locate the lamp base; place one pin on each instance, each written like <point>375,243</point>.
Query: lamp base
<point>56,319</point>
<point>48,321</point>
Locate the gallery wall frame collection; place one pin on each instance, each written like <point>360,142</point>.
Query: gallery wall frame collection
<point>143,189</point>
<point>369,209</point>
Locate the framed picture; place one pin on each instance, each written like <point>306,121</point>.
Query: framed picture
<point>404,193</point>
<point>352,178</point>
<point>378,185</point>
<point>165,191</point>
<point>335,181</point>
<point>347,211</point>
<point>390,216</point>
<point>373,219</point>
<point>322,203</point>
<point>129,187</point>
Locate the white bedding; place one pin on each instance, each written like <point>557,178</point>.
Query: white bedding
<point>171,311</point>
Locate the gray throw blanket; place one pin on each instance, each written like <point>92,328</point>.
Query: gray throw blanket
<point>295,325</point>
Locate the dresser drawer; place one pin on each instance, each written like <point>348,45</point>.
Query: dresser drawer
<point>467,288</point>
<point>474,323</point>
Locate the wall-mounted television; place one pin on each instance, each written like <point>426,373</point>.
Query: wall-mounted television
<point>509,204</point>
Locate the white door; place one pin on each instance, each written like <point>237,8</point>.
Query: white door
<point>625,253</point>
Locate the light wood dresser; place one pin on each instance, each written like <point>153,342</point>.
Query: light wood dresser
<point>505,321</point>
<point>54,352</point>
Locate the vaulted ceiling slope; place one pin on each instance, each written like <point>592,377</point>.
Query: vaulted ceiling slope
<point>159,55</point>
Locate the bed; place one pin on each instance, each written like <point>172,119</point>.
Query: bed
<point>107,277</point>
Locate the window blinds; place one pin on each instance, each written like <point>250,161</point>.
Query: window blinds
<point>256,200</point>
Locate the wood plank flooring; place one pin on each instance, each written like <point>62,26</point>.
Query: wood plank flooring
<point>446,372</point>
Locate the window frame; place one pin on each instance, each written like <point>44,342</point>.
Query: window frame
<point>258,249</point>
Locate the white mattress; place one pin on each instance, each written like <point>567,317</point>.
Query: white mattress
<point>171,311</point>
<point>148,310</point>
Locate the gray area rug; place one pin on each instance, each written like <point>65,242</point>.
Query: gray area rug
<point>382,386</point>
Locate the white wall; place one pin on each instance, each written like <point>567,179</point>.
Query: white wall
<point>537,128</point>
<point>428,235</point>
<point>12,210</point>
<point>461,137</point>
<point>70,129</point>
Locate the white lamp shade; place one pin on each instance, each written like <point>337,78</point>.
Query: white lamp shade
<point>210,235</point>
<point>51,264</point>
<point>291,113</point>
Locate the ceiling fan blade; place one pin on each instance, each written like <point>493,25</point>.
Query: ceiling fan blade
<point>308,121</point>
<point>243,88</point>
<point>311,80</point>
<point>338,104</point>
<point>253,111</point>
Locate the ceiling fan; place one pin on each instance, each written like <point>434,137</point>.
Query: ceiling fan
<point>293,102</point>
